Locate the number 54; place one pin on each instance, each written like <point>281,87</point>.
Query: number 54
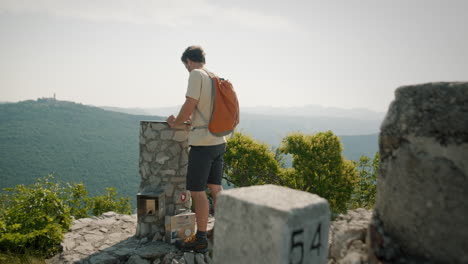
<point>297,243</point>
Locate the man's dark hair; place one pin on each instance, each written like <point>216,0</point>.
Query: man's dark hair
<point>194,53</point>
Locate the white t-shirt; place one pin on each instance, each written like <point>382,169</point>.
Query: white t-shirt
<point>200,88</point>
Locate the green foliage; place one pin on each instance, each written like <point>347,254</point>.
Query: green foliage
<point>75,142</point>
<point>319,167</point>
<point>248,162</point>
<point>33,218</point>
<point>366,188</point>
<point>78,201</point>
<point>110,202</point>
<point>25,258</point>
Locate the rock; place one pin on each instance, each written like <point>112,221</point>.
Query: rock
<point>208,259</point>
<point>270,215</point>
<point>159,126</point>
<point>175,149</point>
<point>84,248</point>
<point>169,189</point>
<point>180,135</point>
<point>150,134</point>
<point>154,250</point>
<point>167,134</point>
<point>161,157</point>
<point>135,259</point>
<point>103,258</point>
<point>353,258</point>
<point>157,237</point>
<point>421,191</point>
<point>200,258</point>
<point>110,214</point>
<point>147,156</point>
<point>68,244</point>
<point>346,229</point>
<point>88,242</point>
<point>189,258</point>
<point>152,146</point>
<point>168,258</point>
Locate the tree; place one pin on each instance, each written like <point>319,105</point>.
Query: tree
<point>248,162</point>
<point>319,167</point>
<point>366,187</point>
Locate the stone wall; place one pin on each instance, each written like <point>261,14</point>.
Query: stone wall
<point>163,167</point>
<point>422,202</point>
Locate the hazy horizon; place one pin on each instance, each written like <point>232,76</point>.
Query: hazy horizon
<point>342,54</point>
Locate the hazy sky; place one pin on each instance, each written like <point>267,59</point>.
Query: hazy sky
<point>126,53</point>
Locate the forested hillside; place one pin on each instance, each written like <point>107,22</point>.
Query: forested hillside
<point>80,143</point>
<point>75,142</point>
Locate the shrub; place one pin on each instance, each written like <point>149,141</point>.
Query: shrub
<point>248,162</point>
<point>34,217</point>
<point>366,187</point>
<point>319,167</point>
<point>110,202</point>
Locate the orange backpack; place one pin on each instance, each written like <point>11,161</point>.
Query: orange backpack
<point>225,107</point>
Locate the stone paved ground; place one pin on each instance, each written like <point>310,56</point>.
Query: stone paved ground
<point>110,239</point>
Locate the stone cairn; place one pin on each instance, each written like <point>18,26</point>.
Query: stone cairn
<point>421,209</point>
<point>163,167</point>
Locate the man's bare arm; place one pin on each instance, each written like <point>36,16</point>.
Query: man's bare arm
<point>185,113</point>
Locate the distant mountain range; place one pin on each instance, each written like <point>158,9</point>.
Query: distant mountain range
<point>307,111</point>
<point>357,128</point>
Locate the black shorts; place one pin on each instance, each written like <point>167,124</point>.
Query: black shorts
<point>205,166</point>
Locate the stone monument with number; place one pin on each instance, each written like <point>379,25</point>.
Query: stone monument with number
<point>270,224</point>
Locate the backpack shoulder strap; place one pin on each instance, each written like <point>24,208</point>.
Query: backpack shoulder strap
<point>213,91</point>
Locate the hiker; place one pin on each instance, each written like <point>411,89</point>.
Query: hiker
<point>205,162</point>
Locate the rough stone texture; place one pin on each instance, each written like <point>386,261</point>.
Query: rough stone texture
<point>347,237</point>
<point>421,193</point>
<point>270,224</point>
<point>163,158</point>
<point>109,239</point>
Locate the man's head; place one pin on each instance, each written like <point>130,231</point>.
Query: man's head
<point>193,58</point>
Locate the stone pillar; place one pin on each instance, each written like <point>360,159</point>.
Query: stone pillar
<point>270,224</point>
<point>422,197</point>
<point>163,168</point>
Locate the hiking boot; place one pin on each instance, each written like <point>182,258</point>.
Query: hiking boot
<point>193,243</point>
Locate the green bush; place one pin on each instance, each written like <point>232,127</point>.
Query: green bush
<point>110,202</point>
<point>318,166</point>
<point>366,187</point>
<point>248,162</point>
<point>34,218</point>
<point>79,202</point>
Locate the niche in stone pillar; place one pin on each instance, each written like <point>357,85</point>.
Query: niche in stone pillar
<point>151,211</point>
<point>151,205</point>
